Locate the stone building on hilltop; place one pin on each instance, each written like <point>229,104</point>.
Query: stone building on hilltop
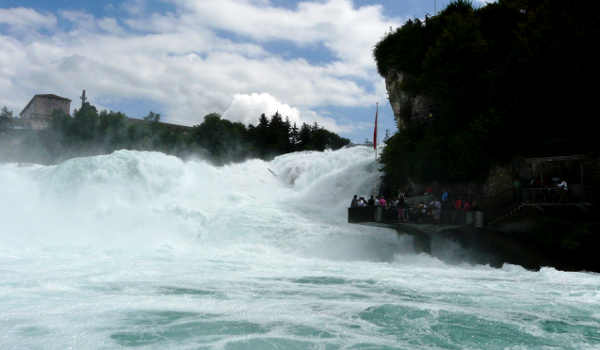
<point>38,112</point>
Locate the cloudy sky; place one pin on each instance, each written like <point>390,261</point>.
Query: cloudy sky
<point>311,60</point>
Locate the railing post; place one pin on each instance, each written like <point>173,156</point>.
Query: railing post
<point>378,214</point>
<point>479,223</point>
<point>469,218</point>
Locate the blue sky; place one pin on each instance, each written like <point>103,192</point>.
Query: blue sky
<point>309,60</point>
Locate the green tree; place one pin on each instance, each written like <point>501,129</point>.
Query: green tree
<point>222,140</point>
<point>278,135</point>
<point>111,130</point>
<point>85,123</point>
<point>152,117</point>
<point>305,137</point>
<point>6,119</point>
<point>294,137</point>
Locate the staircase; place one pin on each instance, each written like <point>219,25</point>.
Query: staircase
<point>582,207</point>
<point>509,213</point>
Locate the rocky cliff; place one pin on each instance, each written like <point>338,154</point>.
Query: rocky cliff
<point>407,107</point>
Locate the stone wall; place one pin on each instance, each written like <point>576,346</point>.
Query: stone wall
<point>38,113</point>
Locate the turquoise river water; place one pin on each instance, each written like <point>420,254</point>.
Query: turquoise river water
<point>143,250</point>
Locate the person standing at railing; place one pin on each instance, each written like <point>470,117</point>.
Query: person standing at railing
<point>444,196</point>
<point>401,210</point>
<point>517,190</point>
<point>429,191</point>
<point>564,190</point>
<point>354,203</point>
<point>382,202</point>
<point>457,208</point>
<point>458,204</point>
<point>466,206</point>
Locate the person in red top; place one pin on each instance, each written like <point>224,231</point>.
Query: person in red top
<point>382,202</point>
<point>458,204</point>
<point>457,208</point>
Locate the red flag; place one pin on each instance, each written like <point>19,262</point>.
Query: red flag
<point>375,132</point>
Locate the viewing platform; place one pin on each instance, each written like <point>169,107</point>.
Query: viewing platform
<point>382,217</point>
<point>423,229</point>
<point>489,242</point>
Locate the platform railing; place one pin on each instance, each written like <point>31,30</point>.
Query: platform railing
<point>390,216</point>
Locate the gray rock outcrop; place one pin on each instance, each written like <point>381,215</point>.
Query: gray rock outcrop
<point>406,107</point>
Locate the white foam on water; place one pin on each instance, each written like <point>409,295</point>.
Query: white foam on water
<point>145,250</point>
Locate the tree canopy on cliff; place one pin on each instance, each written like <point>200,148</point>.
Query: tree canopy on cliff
<point>510,78</point>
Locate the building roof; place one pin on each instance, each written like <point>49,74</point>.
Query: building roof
<point>168,125</point>
<point>50,96</point>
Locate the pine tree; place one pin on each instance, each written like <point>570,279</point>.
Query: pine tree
<point>294,137</point>
<point>305,137</point>
<point>6,119</point>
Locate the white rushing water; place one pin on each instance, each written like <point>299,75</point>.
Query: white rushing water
<point>139,249</point>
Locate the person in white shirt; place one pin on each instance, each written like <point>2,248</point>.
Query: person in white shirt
<point>362,203</point>
<point>563,185</point>
<point>564,190</point>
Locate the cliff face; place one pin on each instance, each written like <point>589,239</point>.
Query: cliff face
<point>406,107</point>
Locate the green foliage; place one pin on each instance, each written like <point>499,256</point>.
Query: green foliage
<point>111,129</point>
<point>6,119</point>
<point>221,139</point>
<point>85,122</point>
<point>277,136</point>
<point>217,139</point>
<point>152,117</point>
<point>506,79</point>
<point>6,113</point>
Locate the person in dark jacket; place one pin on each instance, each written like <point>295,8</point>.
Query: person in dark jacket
<point>354,203</point>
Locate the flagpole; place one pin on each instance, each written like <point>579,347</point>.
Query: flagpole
<point>378,122</point>
<point>375,131</point>
<point>375,142</point>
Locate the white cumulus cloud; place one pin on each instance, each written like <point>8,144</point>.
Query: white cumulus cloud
<point>26,19</point>
<point>247,108</point>
<point>204,56</point>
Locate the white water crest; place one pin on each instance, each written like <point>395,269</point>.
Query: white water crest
<point>144,250</point>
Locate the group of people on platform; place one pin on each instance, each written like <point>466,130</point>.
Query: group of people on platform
<point>427,210</point>
<point>378,201</point>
